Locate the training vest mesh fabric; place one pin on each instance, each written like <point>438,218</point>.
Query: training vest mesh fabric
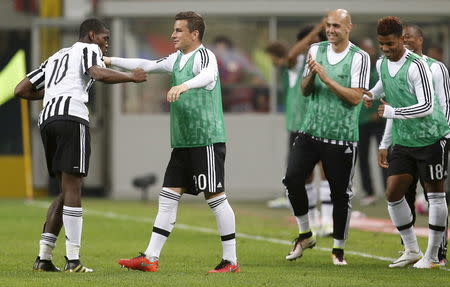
<point>295,104</point>
<point>415,132</point>
<point>196,118</point>
<point>328,116</point>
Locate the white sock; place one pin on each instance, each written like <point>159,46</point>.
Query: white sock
<point>402,218</point>
<point>73,225</point>
<point>226,225</point>
<point>312,203</point>
<point>164,222</point>
<point>46,246</point>
<point>339,243</point>
<point>326,204</point>
<point>437,217</point>
<point>303,223</point>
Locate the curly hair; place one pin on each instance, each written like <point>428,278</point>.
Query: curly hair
<point>91,24</point>
<point>390,25</point>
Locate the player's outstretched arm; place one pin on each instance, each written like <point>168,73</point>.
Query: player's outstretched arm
<point>111,76</point>
<point>27,91</point>
<point>163,65</point>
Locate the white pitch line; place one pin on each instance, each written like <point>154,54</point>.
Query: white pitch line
<point>112,215</point>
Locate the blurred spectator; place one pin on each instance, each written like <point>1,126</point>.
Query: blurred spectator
<point>370,125</point>
<point>242,84</point>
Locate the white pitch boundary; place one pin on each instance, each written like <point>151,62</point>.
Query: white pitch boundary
<point>112,215</point>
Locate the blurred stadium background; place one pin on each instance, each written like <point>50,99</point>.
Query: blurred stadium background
<point>129,123</point>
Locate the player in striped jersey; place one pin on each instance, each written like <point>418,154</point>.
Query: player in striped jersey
<point>63,81</point>
<point>197,137</point>
<point>336,73</point>
<point>413,38</point>
<point>419,146</point>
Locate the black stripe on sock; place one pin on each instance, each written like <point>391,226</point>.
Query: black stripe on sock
<point>396,203</point>
<point>406,226</point>
<point>161,231</point>
<point>48,238</point>
<point>436,228</point>
<point>228,237</point>
<point>305,235</point>
<point>170,195</point>
<point>327,202</point>
<point>216,203</point>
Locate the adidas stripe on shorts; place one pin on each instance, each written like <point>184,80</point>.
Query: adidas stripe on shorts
<point>198,169</point>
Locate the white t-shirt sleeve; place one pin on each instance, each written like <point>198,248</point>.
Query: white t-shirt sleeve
<point>420,79</point>
<point>360,70</point>
<point>441,83</point>
<point>386,142</point>
<point>91,56</point>
<point>37,77</point>
<point>163,65</point>
<point>311,53</point>
<point>378,91</point>
<point>205,70</point>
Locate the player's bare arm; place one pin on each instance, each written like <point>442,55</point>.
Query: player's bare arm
<point>350,95</point>
<point>27,91</point>
<point>302,46</point>
<point>111,76</point>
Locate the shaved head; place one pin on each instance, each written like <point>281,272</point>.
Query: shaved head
<point>338,27</point>
<point>341,14</point>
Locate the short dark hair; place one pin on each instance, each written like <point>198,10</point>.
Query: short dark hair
<point>91,24</point>
<point>277,49</point>
<point>305,31</point>
<point>415,27</point>
<point>195,22</point>
<point>390,25</point>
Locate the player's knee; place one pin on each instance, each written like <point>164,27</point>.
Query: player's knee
<point>292,183</point>
<point>393,195</point>
<point>210,195</point>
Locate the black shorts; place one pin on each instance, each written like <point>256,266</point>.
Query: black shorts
<point>197,169</point>
<point>67,147</point>
<point>428,162</point>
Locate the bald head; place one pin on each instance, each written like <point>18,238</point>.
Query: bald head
<point>342,15</point>
<point>338,27</point>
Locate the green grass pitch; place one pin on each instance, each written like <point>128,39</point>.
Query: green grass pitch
<point>120,229</point>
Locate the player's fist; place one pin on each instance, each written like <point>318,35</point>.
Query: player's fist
<point>381,108</point>
<point>382,158</point>
<point>368,99</point>
<point>175,92</point>
<point>139,75</point>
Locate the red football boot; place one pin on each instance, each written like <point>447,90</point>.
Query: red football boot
<point>140,263</point>
<point>226,266</point>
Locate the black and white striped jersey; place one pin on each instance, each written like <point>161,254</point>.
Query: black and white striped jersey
<point>66,81</point>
